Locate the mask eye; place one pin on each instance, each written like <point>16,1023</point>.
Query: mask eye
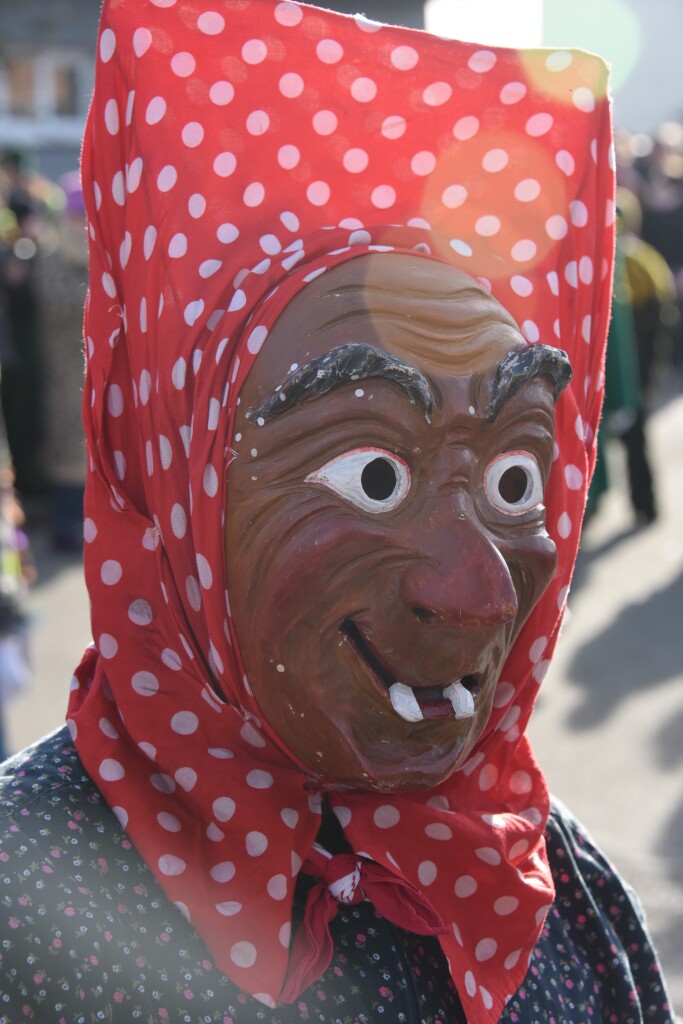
<point>513,483</point>
<point>372,479</point>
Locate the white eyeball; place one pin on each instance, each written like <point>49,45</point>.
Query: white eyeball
<point>372,479</point>
<point>513,483</point>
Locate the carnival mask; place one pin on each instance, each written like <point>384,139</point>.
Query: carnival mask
<point>386,525</point>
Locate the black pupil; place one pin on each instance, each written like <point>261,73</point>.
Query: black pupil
<point>378,479</point>
<point>512,485</point>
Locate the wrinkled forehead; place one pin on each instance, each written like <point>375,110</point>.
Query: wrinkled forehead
<point>417,308</point>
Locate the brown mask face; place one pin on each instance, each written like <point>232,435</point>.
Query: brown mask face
<point>385,525</point>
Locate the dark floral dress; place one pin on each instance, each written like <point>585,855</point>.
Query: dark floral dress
<point>87,935</point>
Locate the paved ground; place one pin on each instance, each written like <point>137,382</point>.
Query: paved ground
<point>609,726</point>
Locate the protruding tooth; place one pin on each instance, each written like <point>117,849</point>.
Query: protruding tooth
<point>404,702</point>
<point>461,699</point>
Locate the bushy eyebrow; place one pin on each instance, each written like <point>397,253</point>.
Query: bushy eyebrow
<point>343,365</point>
<point>524,364</point>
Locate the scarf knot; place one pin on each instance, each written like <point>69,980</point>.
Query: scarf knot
<point>343,875</point>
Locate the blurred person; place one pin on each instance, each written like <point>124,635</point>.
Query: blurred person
<point>329,395</point>
<point>650,290</point>
<point>22,373</point>
<point>61,281</point>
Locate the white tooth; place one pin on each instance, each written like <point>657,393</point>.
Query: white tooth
<point>404,702</point>
<point>461,699</point>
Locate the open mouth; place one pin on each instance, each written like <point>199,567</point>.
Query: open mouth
<point>416,703</point>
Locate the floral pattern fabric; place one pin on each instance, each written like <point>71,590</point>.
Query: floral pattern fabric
<point>88,935</point>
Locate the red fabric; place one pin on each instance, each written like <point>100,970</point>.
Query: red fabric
<point>360,879</point>
<point>229,155</point>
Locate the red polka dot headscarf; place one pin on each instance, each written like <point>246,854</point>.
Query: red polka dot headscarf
<point>231,154</point>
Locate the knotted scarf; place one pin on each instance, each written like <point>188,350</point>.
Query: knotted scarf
<point>231,152</point>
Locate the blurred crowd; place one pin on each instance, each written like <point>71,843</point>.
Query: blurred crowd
<point>43,280</point>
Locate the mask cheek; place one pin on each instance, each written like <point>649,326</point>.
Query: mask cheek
<point>532,561</point>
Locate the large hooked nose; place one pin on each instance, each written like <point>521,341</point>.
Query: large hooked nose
<point>459,578</point>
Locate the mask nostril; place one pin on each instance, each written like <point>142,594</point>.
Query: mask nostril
<point>424,615</point>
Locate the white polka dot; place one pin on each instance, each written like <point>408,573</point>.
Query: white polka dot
<point>318,193</point>
<point>486,996</point>
<point>111,572</point>
<point>291,85</point>
<point>488,855</point>
<point>243,954</point>
<point>134,174</point>
<point>145,684</point>
<point>466,128</point>
<point>223,808</point>
<point>565,161</point>
<point>177,247</point>
<point>225,164</point>
<point>192,134</point>
<point>564,526</point>
<point>108,729</point>
<point>111,116</point>
<point>460,246</point>
<point>521,286</point>
<point>111,770</point>
<point>573,477</point>
<point>178,521</point>
<point>193,592</point>
<point>107,45</point>
<point>583,99</point>
<point>513,92</point>
<point>254,194</point>
<point>505,905</point>
<point>523,250</point>
<point>485,949</point>
<point>530,330</point>
<point>325,122</point>
<point>184,723</point>
<point>167,178</point>
<point>586,270</point>
<point>454,196</point>
<point>404,58</point>
<point>520,783</point>
<point>558,60</point>
<point>89,530</point>
<point>254,51</point>
<point>107,645</point>
<point>183,64</point>
<point>221,753</point>
<point>437,830</point>
<point>288,14</point>
<point>142,40</point>
<point>221,93</point>
<point>355,160</point>
<point>229,908</point>
<point>394,126</point>
<point>465,886</point>
<point>438,93</point>
<point>386,816</point>
<point>204,572</point>
<point>363,90</point>
<point>223,872</point>
<point>482,61</point>
<point>210,23</point>
<point>426,872</point>
<point>383,197</point>
<point>171,659</point>
<point>488,777</point>
<point>556,227</point>
<point>495,160</point>
<point>329,51</point>
<point>470,983</point>
<point>256,844</point>
<point>423,163</point>
<point>170,865</point>
<point>277,887</point>
<point>510,718</point>
<point>578,213</point>
<point>168,822</point>
<point>527,190</point>
<point>193,311</point>
<point>162,782</point>
<point>539,124</point>
<point>259,779</point>
<point>487,226</point>
<point>258,122</point>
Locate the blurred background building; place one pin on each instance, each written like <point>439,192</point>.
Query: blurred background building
<point>46,57</point>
